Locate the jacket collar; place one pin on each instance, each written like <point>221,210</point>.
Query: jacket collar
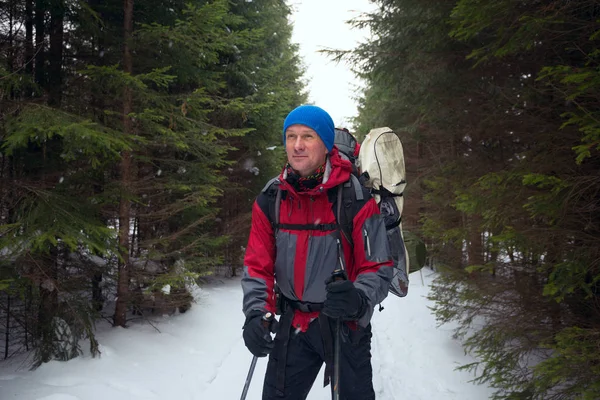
<point>337,171</point>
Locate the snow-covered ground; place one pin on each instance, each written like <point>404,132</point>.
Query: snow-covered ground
<point>200,355</point>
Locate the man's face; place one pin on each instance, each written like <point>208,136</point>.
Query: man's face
<point>305,150</point>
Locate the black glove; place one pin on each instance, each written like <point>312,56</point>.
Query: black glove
<point>344,300</point>
<point>257,333</point>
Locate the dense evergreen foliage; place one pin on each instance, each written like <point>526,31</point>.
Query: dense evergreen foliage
<point>127,128</point>
<point>497,101</point>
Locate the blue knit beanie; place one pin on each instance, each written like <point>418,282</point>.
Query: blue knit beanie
<point>315,118</point>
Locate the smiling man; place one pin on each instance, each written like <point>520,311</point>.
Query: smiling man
<point>295,245</point>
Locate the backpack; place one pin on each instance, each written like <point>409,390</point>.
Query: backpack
<point>386,139</point>
<point>351,193</point>
<point>381,164</point>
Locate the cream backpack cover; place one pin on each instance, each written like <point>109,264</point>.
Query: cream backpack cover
<point>381,165</point>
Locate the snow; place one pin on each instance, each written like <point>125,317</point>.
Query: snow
<point>201,355</point>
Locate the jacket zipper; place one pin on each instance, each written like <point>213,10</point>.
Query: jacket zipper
<point>312,213</point>
<point>366,235</point>
<point>340,250</point>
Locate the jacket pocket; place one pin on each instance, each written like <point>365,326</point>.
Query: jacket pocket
<point>376,246</point>
<point>322,259</point>
<point>284,263</point>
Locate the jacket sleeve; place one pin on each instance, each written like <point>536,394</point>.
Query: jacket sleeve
<point>259,261</point>
<point>372,257</point>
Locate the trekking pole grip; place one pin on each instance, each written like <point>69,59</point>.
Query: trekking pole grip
<point>270,322</point>
<point>339,275</point>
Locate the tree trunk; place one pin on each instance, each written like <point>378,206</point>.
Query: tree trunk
<point>554,256</point>
<point>494,253</point>
<point>134,235</point>
<point>57,16</point>
<point>28,316</point>
<point>48,304</point>
<point>29,36</point>
<point>10,52</point>
<point>120,317</point>
<point>48,269</point>
<point>40,11</point>
<point>475,252</point>
<point>97,300</point>
<point>7,331</point>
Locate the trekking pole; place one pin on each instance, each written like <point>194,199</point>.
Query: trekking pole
<point>268,318</point>
<point>249,378</point>
<point>336,361</point>
<point>338,274</point>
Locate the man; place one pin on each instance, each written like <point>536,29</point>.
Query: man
<point>298,255</point>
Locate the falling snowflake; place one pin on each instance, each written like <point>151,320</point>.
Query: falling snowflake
<point>254,171</point>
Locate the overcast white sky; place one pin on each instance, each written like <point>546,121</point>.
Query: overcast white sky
<point>322,24</point>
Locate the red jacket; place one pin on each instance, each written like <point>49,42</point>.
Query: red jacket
<point>301,260</point>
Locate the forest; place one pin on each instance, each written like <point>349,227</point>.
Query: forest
<point>497,102</point>
<point>135,136</point>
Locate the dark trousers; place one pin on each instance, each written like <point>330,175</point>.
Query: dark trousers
<point>306,355</point>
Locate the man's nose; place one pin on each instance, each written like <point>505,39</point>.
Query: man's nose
<point>298,144</point>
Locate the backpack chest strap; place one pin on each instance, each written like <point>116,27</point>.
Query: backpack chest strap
<point>347,192</point>
<point>307,227</point>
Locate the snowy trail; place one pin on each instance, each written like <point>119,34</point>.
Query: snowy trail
<point>200,355</point>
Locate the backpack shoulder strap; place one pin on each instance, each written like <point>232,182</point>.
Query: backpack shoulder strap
<point>349,192</point>
<point>343,219</point>
<point>273,192</point>
<point>269,184</point>
<point>353,182</point>
<point>277,205</point>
